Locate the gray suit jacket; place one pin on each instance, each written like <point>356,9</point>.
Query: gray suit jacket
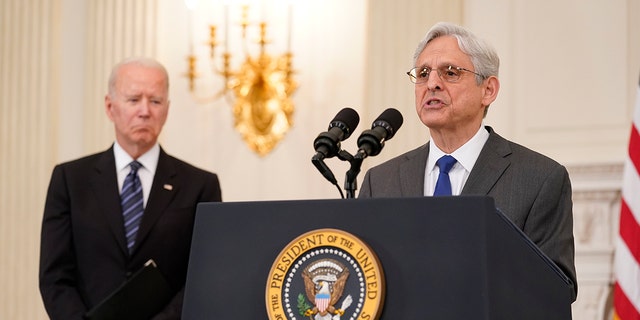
<point>532,190</point>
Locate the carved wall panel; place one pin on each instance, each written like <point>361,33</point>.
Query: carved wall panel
<point>596,206</point>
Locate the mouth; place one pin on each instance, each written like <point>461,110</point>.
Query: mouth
<point>142,129</point>
<point>432,103</point>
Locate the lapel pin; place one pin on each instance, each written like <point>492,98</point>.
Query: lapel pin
<point>168,187</point>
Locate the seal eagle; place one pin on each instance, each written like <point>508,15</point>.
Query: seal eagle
<point>324,282</point>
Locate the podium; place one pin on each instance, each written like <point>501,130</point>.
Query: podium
<point>443,257</point>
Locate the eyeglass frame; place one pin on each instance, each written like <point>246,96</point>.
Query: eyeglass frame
<point>414,79</point>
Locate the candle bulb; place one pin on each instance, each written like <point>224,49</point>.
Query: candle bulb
<point>190,33</point>
<point>191,5</point>
<point>226,28</point>
<point>289,26</point>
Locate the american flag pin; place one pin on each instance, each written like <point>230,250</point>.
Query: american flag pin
<point>168,187</point>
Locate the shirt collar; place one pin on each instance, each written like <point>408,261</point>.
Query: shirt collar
<point>466,155</point>
<point>149,159</point>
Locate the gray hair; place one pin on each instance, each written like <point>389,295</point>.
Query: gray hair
<point>483,56</point>
<point>141,61</point>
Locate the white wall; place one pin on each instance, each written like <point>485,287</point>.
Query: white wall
<point>568,73</point>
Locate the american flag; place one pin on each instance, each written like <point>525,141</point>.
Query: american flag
<point>626,295</point>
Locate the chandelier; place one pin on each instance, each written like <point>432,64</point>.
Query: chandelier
<point>259,89</point>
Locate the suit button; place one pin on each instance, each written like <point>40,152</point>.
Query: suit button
<point>128,274</point>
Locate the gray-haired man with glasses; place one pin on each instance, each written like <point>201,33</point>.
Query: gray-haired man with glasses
<point>531,189</point>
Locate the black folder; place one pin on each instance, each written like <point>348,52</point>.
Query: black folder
<point>142,296</point>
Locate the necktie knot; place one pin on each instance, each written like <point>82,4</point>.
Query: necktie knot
<point>445,163</point>
<point>135,165</point>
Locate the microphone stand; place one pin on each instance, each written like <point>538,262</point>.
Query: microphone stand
<point>317,161</point>
<point>350,183</point>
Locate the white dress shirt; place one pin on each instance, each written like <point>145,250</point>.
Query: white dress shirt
<point>149,162</point>
<point>466,156</point>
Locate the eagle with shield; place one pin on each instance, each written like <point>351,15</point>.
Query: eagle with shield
<point>324,282</point>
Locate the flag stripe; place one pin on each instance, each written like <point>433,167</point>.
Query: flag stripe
<point>623,307</point>
<point>626,292</point>
<point>628,275</point>
<point>634,147</point>
<point>629,230</point>
<point>631,188</point>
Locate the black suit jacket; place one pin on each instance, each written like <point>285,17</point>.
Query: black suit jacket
<point>532,190</point>
<point>83,254</point>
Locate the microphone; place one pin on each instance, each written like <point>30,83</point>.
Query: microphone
<point>327,144</point>
<point>383,128</point>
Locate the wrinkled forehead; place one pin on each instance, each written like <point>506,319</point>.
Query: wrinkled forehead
<point>141,80</point>
<point>443,50</point>
<point>141,73</point>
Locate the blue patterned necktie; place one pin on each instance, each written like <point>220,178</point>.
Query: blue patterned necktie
<point>443,186</point>
<point>132,203</point>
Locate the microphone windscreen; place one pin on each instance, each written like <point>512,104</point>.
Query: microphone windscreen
<point>393,119</point>
<point>349,117</point>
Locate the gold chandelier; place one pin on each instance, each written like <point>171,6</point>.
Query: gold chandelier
<point>261,86</point>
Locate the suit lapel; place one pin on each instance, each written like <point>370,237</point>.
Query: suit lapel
<point>491,164</point>
<point>412,172</point>
<point>105,186</point>
<point>163,190</point>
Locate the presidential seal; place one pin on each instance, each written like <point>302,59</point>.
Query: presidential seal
<point>325,274</point>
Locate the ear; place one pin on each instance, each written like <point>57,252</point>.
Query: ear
<point>166,115</point>
<point>108,106</point>
<point>491,88</point>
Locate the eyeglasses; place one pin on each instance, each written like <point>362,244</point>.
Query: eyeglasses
<point>419,75</point>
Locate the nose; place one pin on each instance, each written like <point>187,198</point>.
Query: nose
<point>144,107</point>
<point>433,81</point>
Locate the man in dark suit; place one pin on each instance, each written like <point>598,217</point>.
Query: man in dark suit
<point>85,254</point>
<point>456,79</point>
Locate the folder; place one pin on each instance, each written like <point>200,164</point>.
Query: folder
<point>142,296</point>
